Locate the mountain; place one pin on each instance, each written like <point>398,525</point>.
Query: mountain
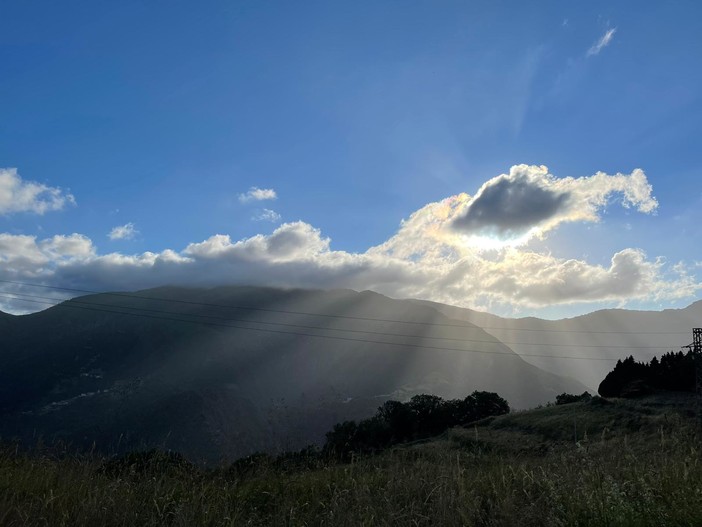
<point>603,336</point>
<point>220,373</point>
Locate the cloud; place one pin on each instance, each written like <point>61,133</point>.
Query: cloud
<point>123,232</point>
<point>430,256</point>
<point>17,195</point>
<point>541,280</point>
<point>267,215</point>
<point>25,256</point>
<point>529,201</point>
<point>258,194</point>
<point>602,43</point>
<point>509,206</point>
<point>290,241</point>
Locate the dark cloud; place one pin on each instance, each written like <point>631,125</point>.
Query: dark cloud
<point>509,207</point>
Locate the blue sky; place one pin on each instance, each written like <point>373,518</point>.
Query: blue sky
<point>156,117</point>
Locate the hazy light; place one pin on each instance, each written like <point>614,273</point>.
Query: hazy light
<point>493,242</point>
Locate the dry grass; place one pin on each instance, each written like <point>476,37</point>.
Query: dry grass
<point>523,469</point>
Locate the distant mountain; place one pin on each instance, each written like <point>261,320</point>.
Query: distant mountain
<point>606,334</point>
<point>175,368</point>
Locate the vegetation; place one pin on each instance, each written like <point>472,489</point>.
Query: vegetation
<point>674,371</point>
<point>423,416</point>
<point>622,462</point>
<point>97,378</point>
<point>567,398</point>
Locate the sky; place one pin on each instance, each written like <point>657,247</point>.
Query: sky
<point>520,158</point>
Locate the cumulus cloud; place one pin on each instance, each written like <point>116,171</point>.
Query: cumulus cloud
<point>24,256</point>
<point>258,194</point>
<point>602,42</point>
<point>539,279</point>
<point>509,206</point>
<point>510,210</point>
<point>123,232</point>
<point>290,241</point>
<point>267,215</point>
<point>529,202</point>
<point>17,195</point>
<point>434,255</point>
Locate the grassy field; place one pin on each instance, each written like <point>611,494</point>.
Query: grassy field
<point>614,463</point>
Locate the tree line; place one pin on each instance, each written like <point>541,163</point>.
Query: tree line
<point>629,378</point>
<point>421,417</point>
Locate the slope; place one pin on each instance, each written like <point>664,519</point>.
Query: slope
<point>634,463</point>
<point>606,334</point>
<point>174,367</point>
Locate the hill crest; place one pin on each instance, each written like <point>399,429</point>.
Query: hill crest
<point>191,365</point>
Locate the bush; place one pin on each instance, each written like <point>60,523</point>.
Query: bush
<point>567,398</point>
<point>146,462</point>
<point>396,422</point>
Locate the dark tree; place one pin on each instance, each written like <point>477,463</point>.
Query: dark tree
<point>567,398</point>
<point>429,413</point>
<point>399,419</point>
<point>488,404</point>
<point>342,439</point>
<point>674,372</point>
<point>423,416</point>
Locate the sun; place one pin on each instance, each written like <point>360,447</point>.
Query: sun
<point>496,242</point>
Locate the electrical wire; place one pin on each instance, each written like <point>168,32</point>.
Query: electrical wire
<point>326,315</point>
<point>53,301</point>
<point>73,305</point>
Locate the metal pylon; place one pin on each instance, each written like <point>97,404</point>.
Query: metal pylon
<point>697,350</point>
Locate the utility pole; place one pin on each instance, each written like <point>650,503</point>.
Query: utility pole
<point>697,352</point>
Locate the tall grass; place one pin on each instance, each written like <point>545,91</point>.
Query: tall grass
<point>646,472</point>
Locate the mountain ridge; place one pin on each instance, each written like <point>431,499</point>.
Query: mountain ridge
<point>177,369</point>
<point>603,336</point>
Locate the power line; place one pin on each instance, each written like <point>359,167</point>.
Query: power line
<point>332,337</point>
<point>349,317</point>
<point>54,302</point>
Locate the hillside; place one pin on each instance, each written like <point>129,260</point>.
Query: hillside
<point>634,464</point>
<point>605,334</point>
<point>172,367</point>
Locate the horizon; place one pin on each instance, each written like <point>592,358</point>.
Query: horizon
<point>509,160</point>
<point>53,301</point>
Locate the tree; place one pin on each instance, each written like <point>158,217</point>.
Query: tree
<point>567,398</point>
<point>488,404</point>
<point>399,420</point>
<point>674,371</point>
<point>423,416</point>
<point>341,440</point>
<point>429,413</point>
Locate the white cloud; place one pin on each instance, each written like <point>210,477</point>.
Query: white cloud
<point>123,232</point>
<point>429,257</point>
<point>72,248</point>
<point>290,241</point>
<point>17,195</point>
<point>258,194</point>
<point>602,42</point>
<point>26,257</point>
<point>511,209</point>
<point>267,215</point>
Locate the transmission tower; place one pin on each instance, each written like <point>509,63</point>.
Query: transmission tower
<point>697,351</point>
